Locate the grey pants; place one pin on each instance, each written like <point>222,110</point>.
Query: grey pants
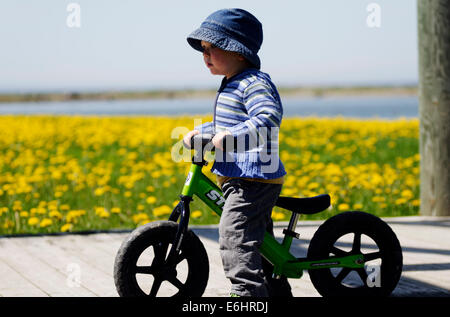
<point>245,218</point>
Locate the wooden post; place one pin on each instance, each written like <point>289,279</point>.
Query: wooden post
<point>434,106</point>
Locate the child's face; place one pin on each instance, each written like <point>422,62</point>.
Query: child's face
<point>221,62</point>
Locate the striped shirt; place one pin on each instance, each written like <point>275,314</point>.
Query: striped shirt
<point>249,107</point>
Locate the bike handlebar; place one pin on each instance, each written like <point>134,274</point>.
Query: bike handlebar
<point>203,141</point>
<point>199,140</point>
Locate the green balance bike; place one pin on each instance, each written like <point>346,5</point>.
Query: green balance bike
<point>351,254</point>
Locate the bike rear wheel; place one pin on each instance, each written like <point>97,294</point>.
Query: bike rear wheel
<point>140,267</point>
<point>356,233</point>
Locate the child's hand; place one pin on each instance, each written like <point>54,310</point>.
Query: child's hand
<point>188,136</point>
<point>217,141</point>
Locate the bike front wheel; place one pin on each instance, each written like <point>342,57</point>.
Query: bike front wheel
<point>351,233</point>
<point>141,268</point>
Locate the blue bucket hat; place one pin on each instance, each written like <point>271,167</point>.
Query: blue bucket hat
<point>234,30</point>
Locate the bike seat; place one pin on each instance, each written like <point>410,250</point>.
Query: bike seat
<point>306,206</point>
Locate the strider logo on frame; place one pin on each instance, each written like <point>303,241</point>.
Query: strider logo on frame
<point>188,178</point>
<point>216,197</point>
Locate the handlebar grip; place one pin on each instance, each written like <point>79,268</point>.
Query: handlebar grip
<point>229,143</point>
<point>199,140</point>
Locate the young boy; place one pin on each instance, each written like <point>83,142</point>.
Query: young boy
<point>248,109</point>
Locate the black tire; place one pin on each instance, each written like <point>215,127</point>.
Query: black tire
<point>159,235</point>
<point>355,282</point>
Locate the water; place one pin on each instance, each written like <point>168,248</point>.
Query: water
<point>389,107</point>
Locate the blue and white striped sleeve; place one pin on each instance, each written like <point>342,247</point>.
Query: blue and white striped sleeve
<point>264,110</point>
<point>205,128</point>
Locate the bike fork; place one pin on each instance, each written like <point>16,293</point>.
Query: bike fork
<point>181,211</point>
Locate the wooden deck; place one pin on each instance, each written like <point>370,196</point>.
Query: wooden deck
<point>82,265</point>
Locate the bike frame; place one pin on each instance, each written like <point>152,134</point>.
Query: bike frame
<point>277,254</point>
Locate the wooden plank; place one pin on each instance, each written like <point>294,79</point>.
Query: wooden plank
<point>426,252</point>
<point>86,250</point>
<point>38,266</point>
<point>50,280</point>
<point>108,242</point>
<point>13,284</point>
<point>218,284</point>
<point>426,234</point>
<point>79,272</point>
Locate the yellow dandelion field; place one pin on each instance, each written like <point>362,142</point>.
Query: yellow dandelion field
<point>74,173</point>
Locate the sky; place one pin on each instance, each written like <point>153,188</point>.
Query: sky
<point>141,44</point>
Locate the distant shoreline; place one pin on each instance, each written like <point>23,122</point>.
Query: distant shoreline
<point>206,93</point>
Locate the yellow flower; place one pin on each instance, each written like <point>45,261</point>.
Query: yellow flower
<point>3,210</point>
<point>378,199</point>
<point>17,207</point>
<point>115,191</point>
<point>196,214</point>
<point>132,155</point>
<point>45,223</point>
<point>151,199</point>
<point>143,222</point>
<point>52,206</point>
<point>41,211</point>
<point>102,212</point>
<point>23,214</point>
<point>140,217</point>
<point>290,191</point>
<point>72,215</point>
<point>358,206</point>
<point>55,214</point>
<point>127,194</point>
<point>64,207</point>
<point>122,151</point>
<point>33,221</point>
<point>66,227</point>
<point>407,194</point>
<point>129,185</point>
<point>313,185</point>
<point>99,210</point>
<point>115,210</point>
<point>156,174</point>
<point>99,191</point>
<point>400,201</point>
<point>277,216</point>
<point>8,224</point>
<point>343,207</point>
<point>162,210</point>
